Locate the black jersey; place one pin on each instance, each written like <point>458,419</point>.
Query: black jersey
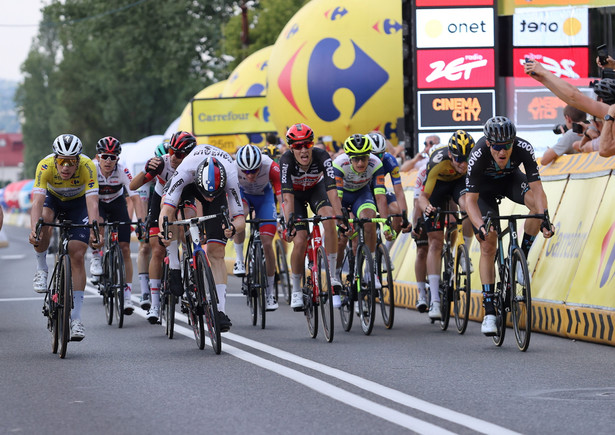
<point>294,178</point>
<point>482,168</point>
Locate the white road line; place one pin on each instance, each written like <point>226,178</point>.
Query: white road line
<point>13,257</point>
<point>38,298</point>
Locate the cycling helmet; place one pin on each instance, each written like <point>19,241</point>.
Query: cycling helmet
<point>210,177</point>
<point>109,145</point>
<point>499,129</point>
<point>249,157</point>
<point>379,143</point>
<point>182,142</point>
<point>358,145</point>
<point>460,144</point>
<point>162,149</point>
<point>299,133</point>
<point>67,145</point>
<point>272,151</point>
<point>605,89</point>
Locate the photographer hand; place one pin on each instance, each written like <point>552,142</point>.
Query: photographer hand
<point>610,63</point>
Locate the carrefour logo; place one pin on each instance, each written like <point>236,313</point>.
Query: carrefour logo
<point>454,27</point>
<point>387,26</point>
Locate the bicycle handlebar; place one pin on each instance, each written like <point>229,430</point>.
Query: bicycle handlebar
<point>66,224</point>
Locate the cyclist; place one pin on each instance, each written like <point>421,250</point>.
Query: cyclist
<point>259,179</point>
<point>162,169</point>
<point>493,173</point>
<point>209,174</point>
<point>444,179</point>
<point>272,151</point>
<point>307,176</point>
<point>65,183</point>
<point>113,179</point>
<point>359,175</point>
<point>396,200</point>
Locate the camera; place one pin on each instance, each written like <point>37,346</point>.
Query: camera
<point>602,54</point>
<point>560,128</point>
<point>577,128</point>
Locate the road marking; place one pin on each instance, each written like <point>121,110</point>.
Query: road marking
<point>13,257</point>
<point>39,298</point>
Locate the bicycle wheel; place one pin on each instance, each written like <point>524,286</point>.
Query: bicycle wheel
<point>386,294</point>
<point>500,307</point>
<point>283,276</point>
<point>446,286</point>
<point>64,306</point>
<point>462,289</point>
<point>196,296</point>
<point>521,300</point>
<point>168,300</point>
<point>325,293</point>
<point>252,291</point>
<point>261,284</point>
<point>347,297</point>
<point>311,311</point>
<point>106,282</point>
<point>118,282</point>
<point>50,310</point>
<point>210,301</point>
<point>367,293</point>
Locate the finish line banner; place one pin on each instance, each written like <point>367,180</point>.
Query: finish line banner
<point>219,116</point>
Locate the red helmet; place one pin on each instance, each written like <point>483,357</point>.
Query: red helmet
<point>109,145</point>
<point>182,143</point>
<point>299,133</point>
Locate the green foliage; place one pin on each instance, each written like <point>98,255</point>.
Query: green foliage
<point>117,67</point>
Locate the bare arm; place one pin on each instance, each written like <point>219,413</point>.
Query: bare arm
<point>401,198</point>
<point>138,206</point>
<point>548,157</point>
<point>607,144</point>
<point>91,202</point>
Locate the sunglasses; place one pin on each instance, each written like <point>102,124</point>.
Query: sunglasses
<point>251,171</point>
<point>301,145</point>
<point>460,159</point>
<point>502,146</point>
<point>178,154</point>
<point>66,162</point>
<point>359,158</point>
<point>428,142</point>
<point>111,157</point>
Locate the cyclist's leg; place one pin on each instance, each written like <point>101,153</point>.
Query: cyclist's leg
<point>158,253</point>
<point>239,269</point>
<point>521,193</point>
<point>265,209</point>
<point>320,204</point>
<point>393,207</point>
<point>119,212</point>
<point>40,251</point>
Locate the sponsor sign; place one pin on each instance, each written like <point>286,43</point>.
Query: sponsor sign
<point>542,27</point>
<point>470,27</point>
<point>219,116</point>
<point>467,109</point>
<point>539,108</point>
<point>466,68</point>
<point>568,63</point>
<point>454,3</point>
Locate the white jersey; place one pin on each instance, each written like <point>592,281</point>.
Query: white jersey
<point>258,186</point>
<point>112,187</point>
<point>185,175</point>
<point>165,175</point>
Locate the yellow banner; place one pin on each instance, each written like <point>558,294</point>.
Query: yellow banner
<point>220,116</point>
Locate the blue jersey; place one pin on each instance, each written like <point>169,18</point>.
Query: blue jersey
<point>391,167</point>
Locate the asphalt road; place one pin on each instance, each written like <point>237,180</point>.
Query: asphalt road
<point>413,378</point>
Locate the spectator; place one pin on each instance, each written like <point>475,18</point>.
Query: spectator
<point>590,141</point>
<point>564,144</point>
<point>1,217</point>
<point>430,141</point>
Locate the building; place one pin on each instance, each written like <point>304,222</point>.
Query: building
<point>11,157</point>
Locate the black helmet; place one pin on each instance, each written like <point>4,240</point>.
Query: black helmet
<point>499,129</point>
<point>605,89</point>
<point>460,144</point>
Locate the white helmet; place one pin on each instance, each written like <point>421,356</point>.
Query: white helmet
<point>67,145</point>
<point>379,144</point>
<point>249,157</point>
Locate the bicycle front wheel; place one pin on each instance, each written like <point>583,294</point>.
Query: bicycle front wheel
<point>500,315</point>
<point>366,289</point>
<point>250,285</point>
<point>283,278</point>
<point>65,303</point>
<point>261,284</point>
<point>311,311</point>
<point>445,286</point>
<point>325,293</point>
<point>196,296</point>
<point>167,302</point>
<point>347,297</point>
<point>386,294</point>
<point>209,301</point>
<point>105,281</point>
<point>521,300</point>
<point>118,279</point>
<point>462,289</point>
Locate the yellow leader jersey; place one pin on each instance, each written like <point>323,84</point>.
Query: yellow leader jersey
<point>83,182</point>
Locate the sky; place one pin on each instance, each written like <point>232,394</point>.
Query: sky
<point>18,25</point>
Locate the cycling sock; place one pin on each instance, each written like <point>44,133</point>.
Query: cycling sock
<point>128,290</point>
<point>239,251</point>
<point>421,286</point>
<point>77,304</point>
<point>296,282</point>
<point>144,281</point>
<point>488,299</point>
<point>434,287</point>
<point>41,260</point>
<point>173,253</point>
<point>221,289</point>
<point>270,284</point>
<point>468,241</point>
<point>526,244</point>
<point>338,274</point>
<point>388,244</point>
<point>332,258</point>
<point>96,253</point>
<point>154,285</point>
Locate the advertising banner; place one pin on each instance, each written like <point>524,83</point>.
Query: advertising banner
<point>465,109</point>
<point>470,27</point>
<point>539,108</point>
<point>542,27</point>
<point>568,63</point>
<point>464,68</point>
<point>230,116</point>
<point>453,3</point>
